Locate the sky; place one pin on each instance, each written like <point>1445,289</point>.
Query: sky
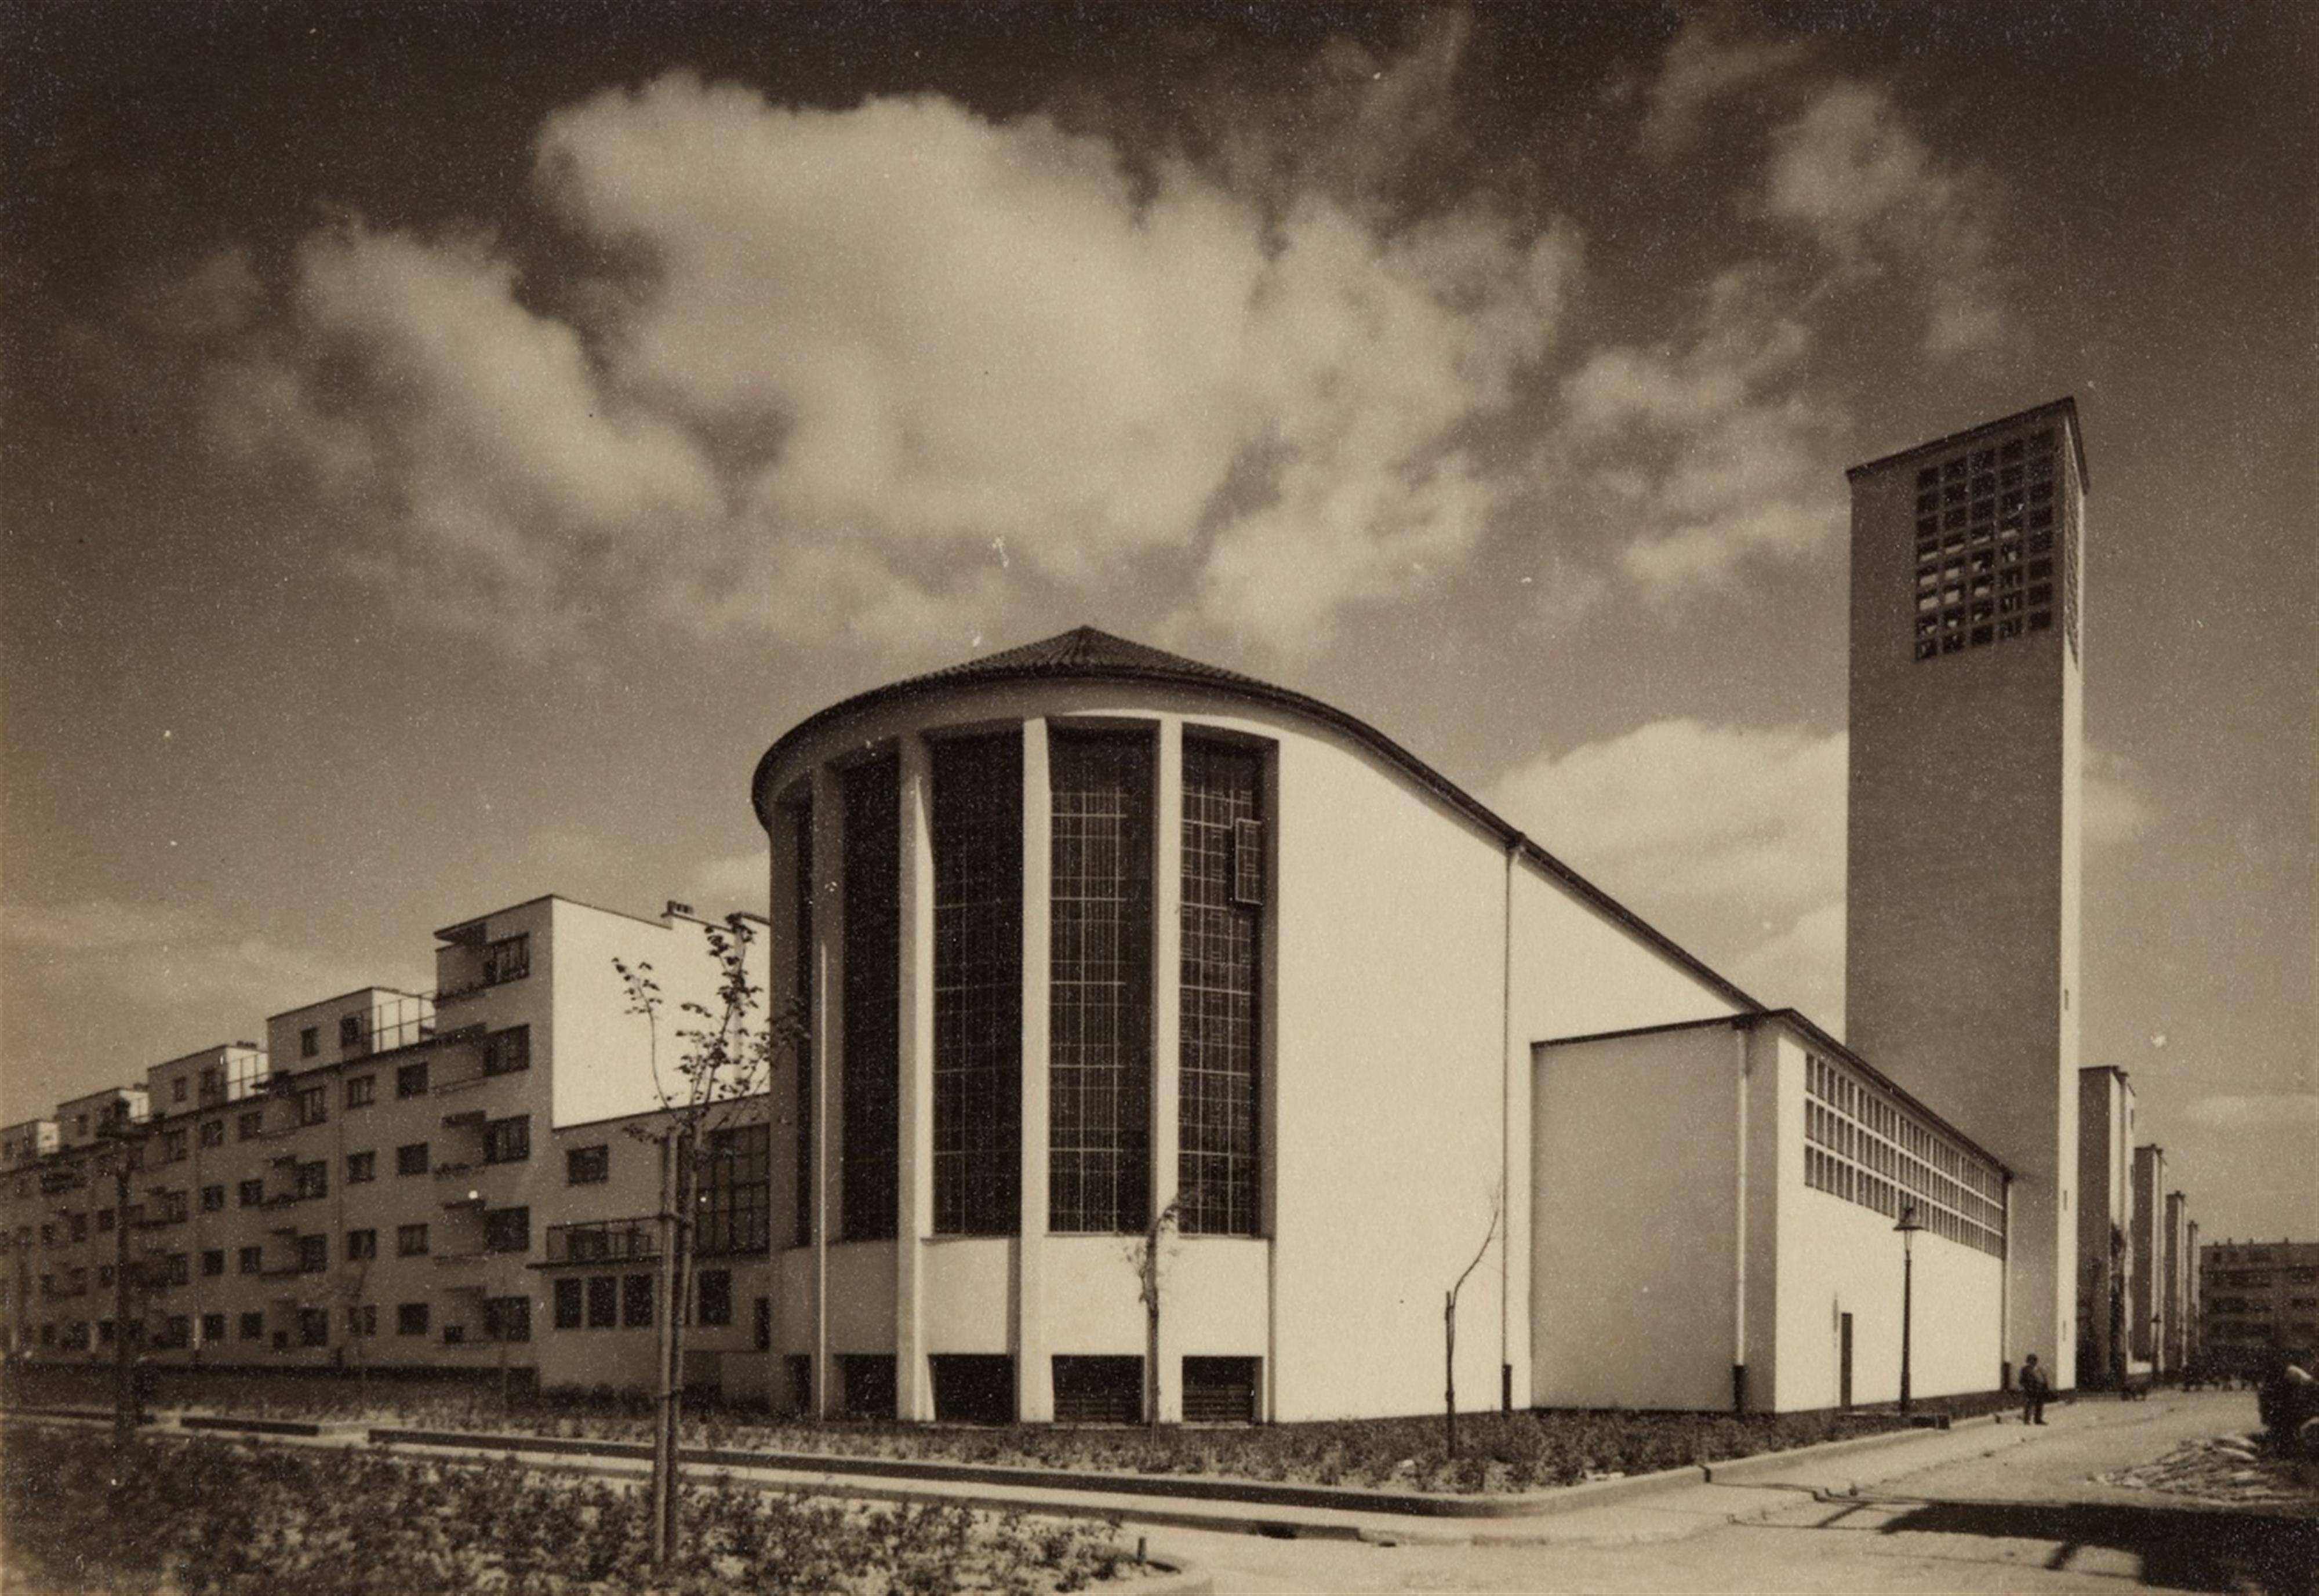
<point>442,445</point>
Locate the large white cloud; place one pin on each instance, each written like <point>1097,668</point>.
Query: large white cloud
<point>853,365</point>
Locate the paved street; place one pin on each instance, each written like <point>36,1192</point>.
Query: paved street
<point>2000,1509</point>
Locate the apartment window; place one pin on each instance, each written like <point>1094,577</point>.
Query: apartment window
<point>361,1167</point>
<point>313,1326</point>
<point>212,1199</point>
<point>636,1301</point>
<point>249,1126</point>
<point>212,1085</point>
<point>177,1269</point>
<point>410,1319</point>
<point>603,1301</point>
<point>313,1105</point>
<point>212,1132</point>
<point>713,1297</point>
<point>869,1085</point>
<point>77,1226</point>
<point>410,1080</point>
<point>977,978</point>
<point>361,1245</point>
<point>588,1166</point>
<point>253,1326</point>
<point>568,1306</point>
<point>737,1190</point>
<point>1217,1161</point>
<point>250,1260</point>
<point>410,1159</point>
<point>409,1240</point>
<point>172,1212</point>
<point>313,1254</point>
<point>1100,983</point>
<point>213,1262</point>
<point>362,1090</point>
<point>213,1328</point>
<point>351,1031</point>
<point>507,1051</point>
<point>313,1179</point>
<point>310,1042</point>
<point>507,1230</point>
<point>1099,1390</point>
<point>177,1090</point>
<point>508,1318</point>
<point>508,1140</point>
<point>250,1193</point>
<point>507,959</point>
<point>362,1321</point>
<point>173,1149</point>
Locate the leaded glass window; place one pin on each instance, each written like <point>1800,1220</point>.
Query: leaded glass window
<point>978,1066</point>
<point>1100,1005</point>
<point>1218,1141</point>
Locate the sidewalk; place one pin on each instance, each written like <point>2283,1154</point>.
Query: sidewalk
<point>1668,1505</point>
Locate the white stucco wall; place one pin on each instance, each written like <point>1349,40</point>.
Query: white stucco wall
<point>1836,1257</point>
<point>1633,1276</point>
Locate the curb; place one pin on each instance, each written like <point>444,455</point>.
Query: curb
<point>1172,1487</point>
<point>1738,1471</point>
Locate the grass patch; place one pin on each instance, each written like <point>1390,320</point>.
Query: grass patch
<point>1500,1452</point>
<point>236,1519</point>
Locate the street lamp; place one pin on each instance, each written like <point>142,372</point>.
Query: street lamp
<point>1908,1227</point>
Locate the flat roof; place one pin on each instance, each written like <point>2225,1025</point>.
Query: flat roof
<point>1796,1020</point>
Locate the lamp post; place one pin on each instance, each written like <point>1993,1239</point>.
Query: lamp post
<point>1908,1228</point>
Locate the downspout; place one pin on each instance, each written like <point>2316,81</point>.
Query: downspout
<point>1739,1249</point>
<point>1507,1195</point>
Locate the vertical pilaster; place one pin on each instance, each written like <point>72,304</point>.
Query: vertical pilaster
<point>1167,1025</point>
<point>828,1049</point>
<point>914,1207</point>
<point>1035,1396</point>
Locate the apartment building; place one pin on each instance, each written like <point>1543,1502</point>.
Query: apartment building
<point>394,1180</point>
<point>2258,1301</point>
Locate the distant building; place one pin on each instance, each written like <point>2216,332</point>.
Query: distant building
<point>2150,1268</point>
<point>1966,814</point>
<point>2258,1301</point>
<point>402,1180</point>
<point>2105,1227</point>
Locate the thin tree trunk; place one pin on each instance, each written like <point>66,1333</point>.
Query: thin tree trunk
<point>663,1437</point>
<point>680,1272</point>
<point>1450,1367</point>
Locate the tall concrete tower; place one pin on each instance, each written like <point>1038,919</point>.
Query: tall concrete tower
<point>1962,977</point>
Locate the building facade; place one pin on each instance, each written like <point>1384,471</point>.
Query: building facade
<point>2150,1265</point>
<point>2106,1225</point>
<point>2258,1302</point>
<point>1966,815</point>
<point>1103,946</point>
<point>395,1180</point>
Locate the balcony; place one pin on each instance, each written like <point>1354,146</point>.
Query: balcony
<point>611,1241</point>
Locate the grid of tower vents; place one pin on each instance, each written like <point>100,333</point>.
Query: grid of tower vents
<point>1993,524</point>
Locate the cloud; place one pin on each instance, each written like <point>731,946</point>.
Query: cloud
<point>1849,171</point>
<point>741,878</point>
<point>1801,968</point>
<point>2261,1110</point>
<point>1707,452</point>
<point>836,358</point>
<point>1729,838</point>
<point>2115,809</point>
<point>1710,60</point>
<point>161,958</point>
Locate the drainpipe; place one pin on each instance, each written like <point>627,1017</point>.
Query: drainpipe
<point>1739,1249</point>
<point>1507,1194</point>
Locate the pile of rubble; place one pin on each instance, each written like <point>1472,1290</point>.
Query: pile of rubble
<point>2234,1470</point>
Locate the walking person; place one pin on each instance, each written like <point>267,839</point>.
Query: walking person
<point>2035,1389</point>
